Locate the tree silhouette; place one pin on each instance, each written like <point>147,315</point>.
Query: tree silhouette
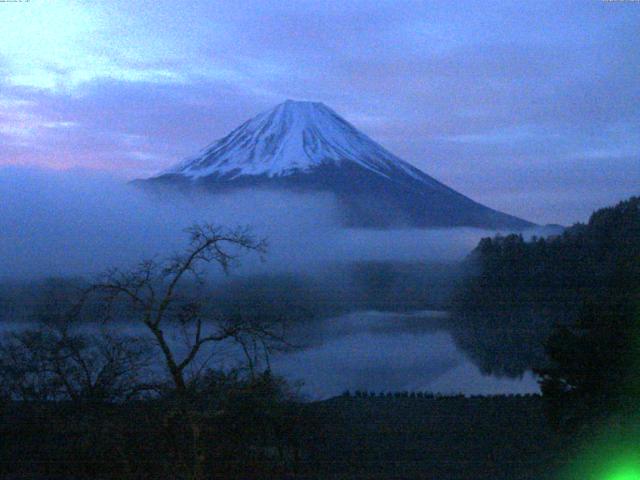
<point>169,296</point>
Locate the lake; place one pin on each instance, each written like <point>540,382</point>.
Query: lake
<point>382,351</point>
<point>370,351</point>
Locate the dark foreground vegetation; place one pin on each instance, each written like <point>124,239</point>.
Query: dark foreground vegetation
<point>499,437</point>
<point>253,432</point>
<point>246,428</point>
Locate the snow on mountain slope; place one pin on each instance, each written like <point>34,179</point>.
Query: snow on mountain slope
<point>306,146</point>
<point>292,137</point>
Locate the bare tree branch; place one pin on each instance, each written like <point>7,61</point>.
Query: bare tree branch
<point>155,291</point>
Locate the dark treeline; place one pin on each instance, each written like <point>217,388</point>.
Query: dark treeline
<point>385,286</point>
<point>593,363</point>
<point>567,305</point>
<point>520,290</point>
<point>428,395</point>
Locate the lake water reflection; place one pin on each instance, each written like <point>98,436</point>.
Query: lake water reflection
<point>378,351</point>
<point>372,351</point>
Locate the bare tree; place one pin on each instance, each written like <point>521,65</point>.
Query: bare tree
<point>168,297</point>
<point>56,362</point>
<point>57,357</point>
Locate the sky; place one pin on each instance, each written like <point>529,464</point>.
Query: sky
<point>530,107</point>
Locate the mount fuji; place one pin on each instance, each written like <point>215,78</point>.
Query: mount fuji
<point>307,147</point>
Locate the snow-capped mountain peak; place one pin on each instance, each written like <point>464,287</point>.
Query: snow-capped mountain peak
<point>294,136</point>
<point>307,147</point>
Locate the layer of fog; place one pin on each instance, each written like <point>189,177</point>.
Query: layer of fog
<point>56,223</point>
<point>80,224</point>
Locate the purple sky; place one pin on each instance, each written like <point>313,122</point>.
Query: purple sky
<point>531,107</point>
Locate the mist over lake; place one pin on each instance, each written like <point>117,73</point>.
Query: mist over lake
<point>366,307</point>
<point>367,351</point>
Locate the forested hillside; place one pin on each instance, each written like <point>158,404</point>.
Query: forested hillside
<point>520,291</point>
